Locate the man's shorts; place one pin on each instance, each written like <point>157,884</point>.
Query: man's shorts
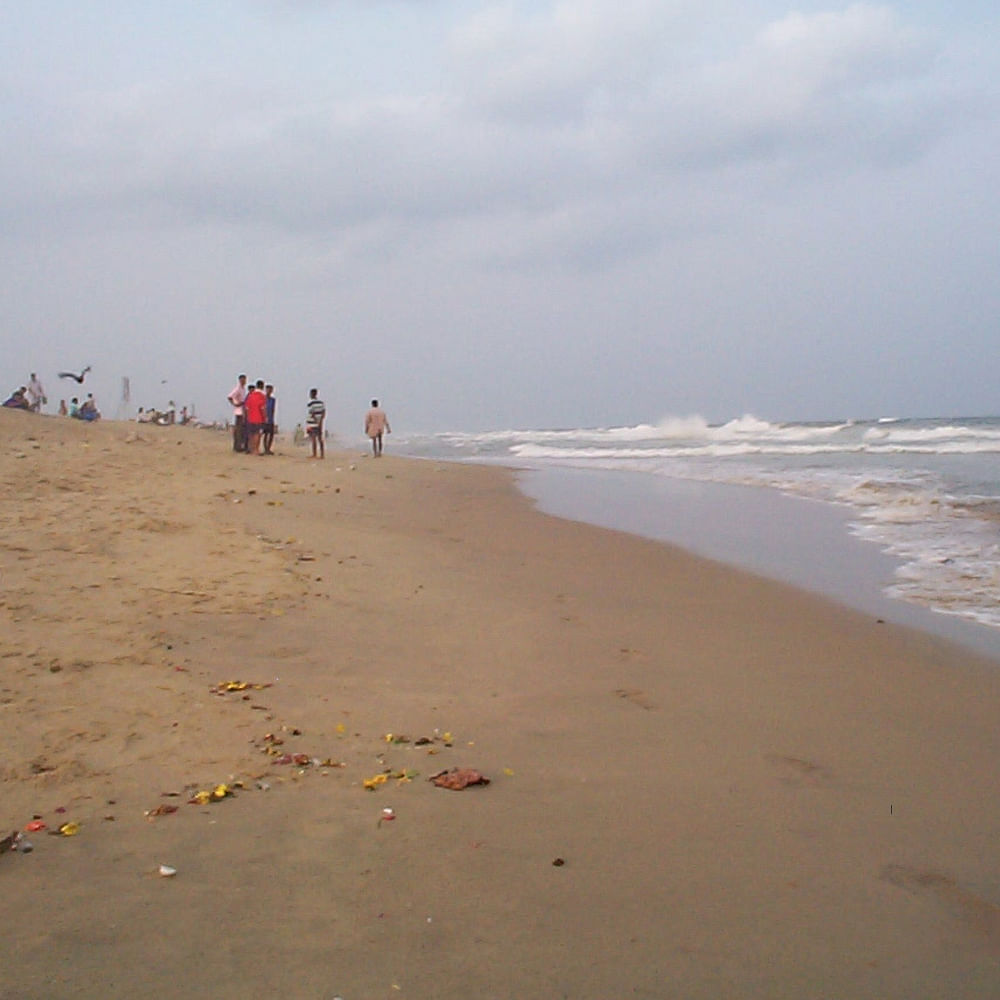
<point>255,428</point>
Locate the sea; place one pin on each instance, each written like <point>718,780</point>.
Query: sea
<point>899,517</point>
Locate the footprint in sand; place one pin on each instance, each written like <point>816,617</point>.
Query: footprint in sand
<point>798,771</point>
<point>974,910</point>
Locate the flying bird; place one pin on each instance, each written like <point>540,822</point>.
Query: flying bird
<point>76,378</point>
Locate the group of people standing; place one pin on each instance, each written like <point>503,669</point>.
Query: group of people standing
<point>254,424</point>
<point>253,416</point>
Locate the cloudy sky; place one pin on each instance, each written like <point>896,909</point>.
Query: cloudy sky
<point>521,214</point>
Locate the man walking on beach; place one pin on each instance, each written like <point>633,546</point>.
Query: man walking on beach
<point>236,398</point>
<point>269,421</point>
<point>315,419</point>
<point>376,424</point>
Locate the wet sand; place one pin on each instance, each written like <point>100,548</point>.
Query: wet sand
<point>754,792</point>
<point>807,543</point>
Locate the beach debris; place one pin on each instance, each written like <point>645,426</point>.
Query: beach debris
<point>270,744</point>
<point>444,739</point>
<point>388,814</point>
<point>24,845</point>
<point>164,809</point>
<point>166,871</point>
<point>558,862</point>
<point>224,687</point>
<point>36,826</point>
<point>401,777</point>
<point>216,794</point>
<point>70,829</point>
<point>298,759</point>
<point>7,843</point>
<point>458,778</point>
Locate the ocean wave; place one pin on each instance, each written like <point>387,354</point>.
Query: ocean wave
<point>673,435</point>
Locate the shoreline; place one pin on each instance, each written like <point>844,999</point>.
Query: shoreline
<point>753,791</point>
<point>795,540</point>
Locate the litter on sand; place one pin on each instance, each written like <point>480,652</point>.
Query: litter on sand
<point>161,810</point>
<point>458,778</point>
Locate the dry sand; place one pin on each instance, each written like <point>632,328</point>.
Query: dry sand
<point>755,793</point>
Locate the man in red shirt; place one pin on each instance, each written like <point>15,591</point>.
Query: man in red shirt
<point>256,410</point>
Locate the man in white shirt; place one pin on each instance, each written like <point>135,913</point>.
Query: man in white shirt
<point>236,399</point>
<point>36,394</point>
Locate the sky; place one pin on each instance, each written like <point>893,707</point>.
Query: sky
<point>505,215</point>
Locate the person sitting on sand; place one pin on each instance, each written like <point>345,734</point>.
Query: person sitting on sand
<point>63,410</point>
<point>315,419</point>
<point>74,408</point>
<point>89,411</point>
<point>376,424</point>
<point>18,400</point>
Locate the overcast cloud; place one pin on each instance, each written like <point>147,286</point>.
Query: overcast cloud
<point>513,214</point>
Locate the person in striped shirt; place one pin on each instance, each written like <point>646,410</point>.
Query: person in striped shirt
<point>315,418</point>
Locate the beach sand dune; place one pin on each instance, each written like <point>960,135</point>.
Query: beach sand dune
<point>702,783</point>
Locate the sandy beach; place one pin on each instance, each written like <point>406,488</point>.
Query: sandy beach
<point>702,783</point>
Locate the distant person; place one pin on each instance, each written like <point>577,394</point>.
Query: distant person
<point>63,409</point>
<point>74,408</point>
<point>36,394</point>
<point>89,411</point>
<point>18,399</point>
<point>315,419</point>
<point>184,415</point>
<point>376,424</point>
<point>269,419</point>
<point>236,399</point>
<point>255,408</point>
